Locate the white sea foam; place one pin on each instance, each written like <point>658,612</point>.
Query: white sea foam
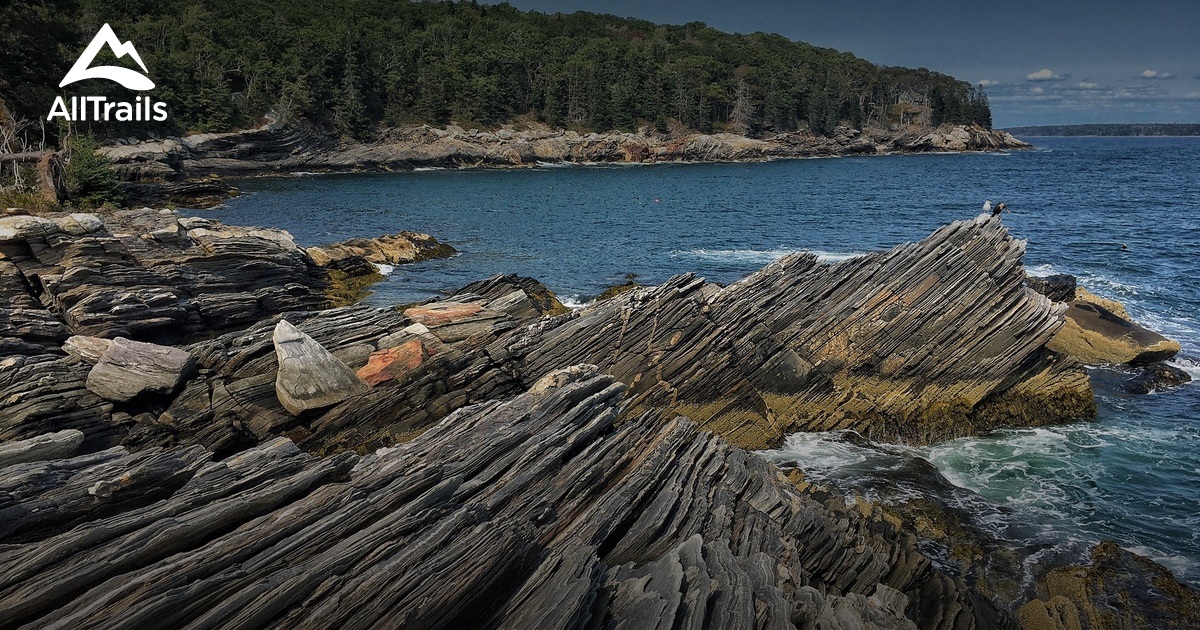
<point>759,256</point>
<point>424,169</point>
<point>574,301</point>
<point>385,269</point>
<point>817,451</point>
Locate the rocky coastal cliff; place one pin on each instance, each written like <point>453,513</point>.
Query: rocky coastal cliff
<point>492,458</point>
<point>181,169</point>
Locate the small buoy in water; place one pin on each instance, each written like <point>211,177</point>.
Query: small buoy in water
<point>1124,247</point>
<point>657,200</point>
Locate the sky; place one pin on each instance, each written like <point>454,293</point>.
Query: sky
<point>1045,62</point>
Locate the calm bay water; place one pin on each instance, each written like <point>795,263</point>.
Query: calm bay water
<point>1133,475</point>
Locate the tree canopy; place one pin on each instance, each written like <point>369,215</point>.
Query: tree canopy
<point>357,66</point>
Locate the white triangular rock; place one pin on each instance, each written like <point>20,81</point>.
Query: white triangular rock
<point>309,376</point>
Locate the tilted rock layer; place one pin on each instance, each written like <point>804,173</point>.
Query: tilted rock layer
<point>539,512</point>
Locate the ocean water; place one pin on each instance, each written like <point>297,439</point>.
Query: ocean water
<point>1133,475</point>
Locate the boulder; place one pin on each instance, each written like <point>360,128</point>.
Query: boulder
<point>1096,335</point>
<point>309,376</point>
<point>128,369</point>
<point>86,349</point>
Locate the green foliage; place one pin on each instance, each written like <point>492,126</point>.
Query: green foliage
<point>89,177</point>
<point>354,65</point>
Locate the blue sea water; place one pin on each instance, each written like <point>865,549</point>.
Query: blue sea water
<point>1133,475</point>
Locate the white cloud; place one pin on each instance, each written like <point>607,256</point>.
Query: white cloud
<point>991,83</point>
<point>1155,74</point>
<point>1038,90</point>
<point>1045,74</point>
<point>1088,85</point>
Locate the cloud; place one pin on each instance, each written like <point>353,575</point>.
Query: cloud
<point>1155,74</point>
<point>991,83</point>
<point>1088,85</point>
<point>1038,90</point>
<point>1045,74</point>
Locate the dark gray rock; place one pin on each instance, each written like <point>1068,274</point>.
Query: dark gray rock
<point>542,511</point>
<point>1058,287</point>
<point>129,369</point>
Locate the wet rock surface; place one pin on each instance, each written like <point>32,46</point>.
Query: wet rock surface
<point>542,511</point>
<point>1119,589</point>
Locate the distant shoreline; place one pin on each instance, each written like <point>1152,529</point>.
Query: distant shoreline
<point>193,169</point>
<point>1110,130</point>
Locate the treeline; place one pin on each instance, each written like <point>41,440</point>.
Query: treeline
<point>359,65</point>
<point>1136,129</point>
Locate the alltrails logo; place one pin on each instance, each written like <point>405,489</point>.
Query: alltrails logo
<point>101,109</point>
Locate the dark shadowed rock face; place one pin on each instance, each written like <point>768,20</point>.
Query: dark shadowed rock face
<point>539,512</point>
<point>147,276</point>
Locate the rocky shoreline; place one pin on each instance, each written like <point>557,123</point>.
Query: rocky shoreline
<point>190,169</point>
<point>191,434</point>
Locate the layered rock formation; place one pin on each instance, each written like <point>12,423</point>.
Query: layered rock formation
<point>148,276</point>
<point>515,487</point>
<point>929,341</point>
<point>276,149</point>
<point>542,511</point>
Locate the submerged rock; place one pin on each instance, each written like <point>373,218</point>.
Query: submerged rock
<point>309,377</point>
<point>128,369</point>
<point>1157,376</point>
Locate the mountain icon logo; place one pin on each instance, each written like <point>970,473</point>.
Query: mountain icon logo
<point>126,77</point>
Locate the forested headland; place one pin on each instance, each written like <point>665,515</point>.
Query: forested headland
<point>357,66</point>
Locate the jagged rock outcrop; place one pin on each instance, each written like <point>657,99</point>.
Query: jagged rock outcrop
<point>516,295</point>
<point>929,341</point>
<point>395,249</point>
<point>542,511</point>
<point>145,275</point>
